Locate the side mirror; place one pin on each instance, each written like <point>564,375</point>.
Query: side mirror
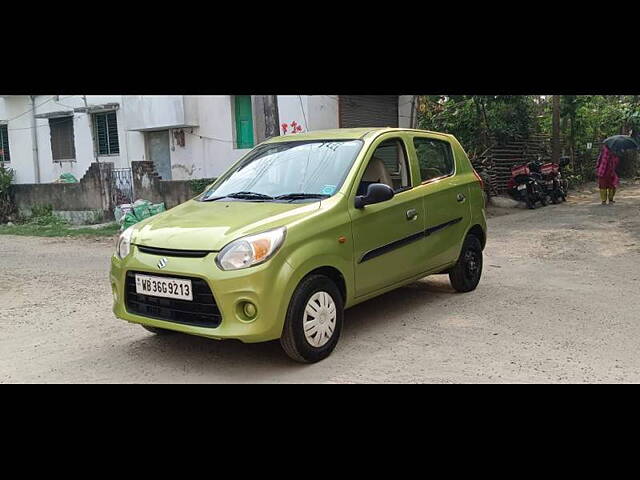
<point>376,193</point>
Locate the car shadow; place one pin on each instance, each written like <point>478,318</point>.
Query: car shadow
<point>232,361</point>
<point>405,302</point>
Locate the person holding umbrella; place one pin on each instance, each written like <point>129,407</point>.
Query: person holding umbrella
<point>608,179</point>
<point>607,165</point>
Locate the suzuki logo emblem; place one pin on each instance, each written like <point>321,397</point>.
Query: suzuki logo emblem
<point>163,262</point>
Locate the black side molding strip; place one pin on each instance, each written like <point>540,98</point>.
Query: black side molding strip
<point>431,230</point>
<point>376,252</point>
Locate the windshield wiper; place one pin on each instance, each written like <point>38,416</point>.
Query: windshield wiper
<point>249,195</point>
<point>296,196</point>
<point>242,195</point>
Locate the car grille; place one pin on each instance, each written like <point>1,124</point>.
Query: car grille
<point>170,252</point>
<point>201,312</point>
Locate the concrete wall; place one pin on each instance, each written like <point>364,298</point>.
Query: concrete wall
<point>91,199</point>
<point>91,196</point>
<point>148,186</point>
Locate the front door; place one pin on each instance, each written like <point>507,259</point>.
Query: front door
<point>158,152</point>
<point>387,236</point>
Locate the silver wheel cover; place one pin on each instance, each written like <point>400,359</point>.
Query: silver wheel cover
<point>319,321</point>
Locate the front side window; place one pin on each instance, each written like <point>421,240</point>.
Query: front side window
<point>4,144</point>
<point>387,165</point>
<point>288,171</point>
<point>62,139</point>
<point>106,133</point>
<point>434,157</point>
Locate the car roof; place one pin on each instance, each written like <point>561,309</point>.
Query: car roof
<point>344,134</point>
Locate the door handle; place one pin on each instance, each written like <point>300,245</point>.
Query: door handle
<point>461,198</point>
<point>412,214</point>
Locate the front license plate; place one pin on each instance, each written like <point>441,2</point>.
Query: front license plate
<point>164,287</point>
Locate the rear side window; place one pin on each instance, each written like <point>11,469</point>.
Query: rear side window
<point>435,158</point>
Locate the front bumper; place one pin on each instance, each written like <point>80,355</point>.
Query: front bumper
<point>266,286</point>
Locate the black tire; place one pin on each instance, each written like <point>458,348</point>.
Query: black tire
<point>555,198</point>
<point>293,340</point>
<point>543,199</point>
<point>158,331</point>
<point>466,273</point>
<point>530,204</point>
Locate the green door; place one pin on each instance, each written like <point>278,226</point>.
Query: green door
<point>244,121</point>
<point>387,236</point>
<point>445,190</point>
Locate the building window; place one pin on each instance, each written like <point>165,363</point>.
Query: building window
<point>62,139</point>
<point>106,133</point>
<point>244,121</point>
<point>4,144</point>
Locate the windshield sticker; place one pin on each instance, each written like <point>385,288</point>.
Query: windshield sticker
<point>328,189</point>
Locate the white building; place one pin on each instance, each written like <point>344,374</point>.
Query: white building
<point>186,137</point>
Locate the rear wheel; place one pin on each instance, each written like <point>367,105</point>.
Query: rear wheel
<point>314,320</point>
<point>466,273</point>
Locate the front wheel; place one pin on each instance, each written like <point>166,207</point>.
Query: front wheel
<point>530,203</point>
<point>465,275</point>
<point>314,320</point>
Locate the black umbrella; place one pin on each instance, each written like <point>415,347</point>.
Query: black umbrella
<point>619,143</point>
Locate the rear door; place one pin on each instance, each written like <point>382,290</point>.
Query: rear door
<point>388,246</point>
<point>446,202</point>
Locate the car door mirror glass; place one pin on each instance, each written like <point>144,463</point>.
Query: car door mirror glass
<point>376,193</point>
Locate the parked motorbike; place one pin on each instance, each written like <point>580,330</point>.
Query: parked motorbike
<point>526,185</point>
<point>554,185</point>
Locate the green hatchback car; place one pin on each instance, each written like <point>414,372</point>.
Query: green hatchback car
<point>301,228</point>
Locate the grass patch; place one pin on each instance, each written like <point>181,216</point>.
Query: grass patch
<point>58,230</point>
<point>43,223</point>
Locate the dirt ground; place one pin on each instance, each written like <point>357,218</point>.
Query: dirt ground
<point>558,302</point>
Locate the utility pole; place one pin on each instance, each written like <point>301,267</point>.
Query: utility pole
<point>34,140</point>
<point>271,116</point>
<point>555,135</point>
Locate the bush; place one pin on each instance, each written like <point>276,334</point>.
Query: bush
<point>7,208</point>
<point>575,181</point>
<point>43,215</point>
<point>198,186</point>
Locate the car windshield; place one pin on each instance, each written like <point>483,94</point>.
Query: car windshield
<point>288,171</point>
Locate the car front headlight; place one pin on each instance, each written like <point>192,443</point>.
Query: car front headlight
<point>251,250</point>
<point>123,247</point>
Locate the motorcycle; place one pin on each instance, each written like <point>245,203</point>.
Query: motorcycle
<point>525,185</point>
<point>554,185</point>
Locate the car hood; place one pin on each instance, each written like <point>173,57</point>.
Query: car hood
<point>198,225</point>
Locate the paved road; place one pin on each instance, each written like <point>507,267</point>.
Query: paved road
<point>559,302</point>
